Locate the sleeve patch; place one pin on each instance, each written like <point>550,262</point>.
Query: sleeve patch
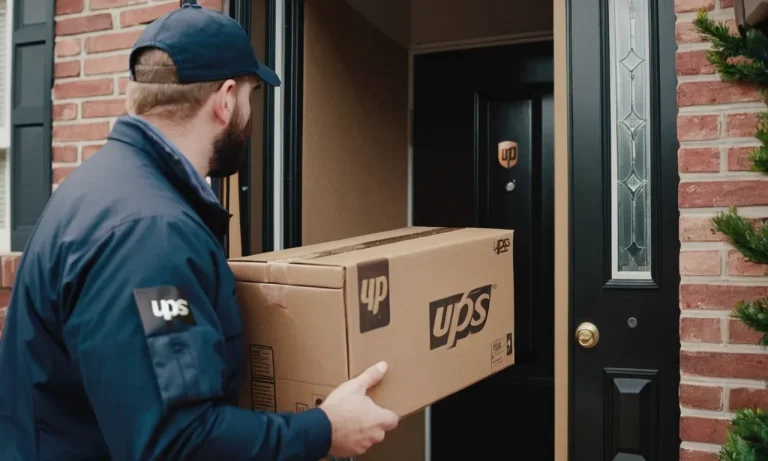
<point>163,309</point>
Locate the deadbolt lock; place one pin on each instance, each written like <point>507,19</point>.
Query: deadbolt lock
<point>587,335</point>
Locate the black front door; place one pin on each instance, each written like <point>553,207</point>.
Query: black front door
<point>624,231</point>
<point>483,157</point>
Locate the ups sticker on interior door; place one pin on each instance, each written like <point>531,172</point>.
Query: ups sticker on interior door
<point>373,294</point>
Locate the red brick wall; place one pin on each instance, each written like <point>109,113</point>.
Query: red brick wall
<point>8,265</point>
<point>722,368</point>
<point>93,39</point>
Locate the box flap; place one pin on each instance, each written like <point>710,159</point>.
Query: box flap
<point>322,265</point>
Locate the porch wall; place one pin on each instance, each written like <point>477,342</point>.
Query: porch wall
<point>93,39</point>
<point>722,368</point>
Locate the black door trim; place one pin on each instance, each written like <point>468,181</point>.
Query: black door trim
<point>35,159</point>
<point>241,11</point>
<point>268,180</point>
<point>293,84</point>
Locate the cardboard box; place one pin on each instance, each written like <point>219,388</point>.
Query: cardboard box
<point>436,303</point>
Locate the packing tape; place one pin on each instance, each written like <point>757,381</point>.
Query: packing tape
<point>277,271</point>
<point>276,294</point>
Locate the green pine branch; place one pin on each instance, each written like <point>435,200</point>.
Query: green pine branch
<point>742,234</point>
<point>759,157</point>
<point>747,438</point>
<point>755,315</point>
<point>735,58</point>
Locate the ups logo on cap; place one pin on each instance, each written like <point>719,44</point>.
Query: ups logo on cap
<point>373,294</point>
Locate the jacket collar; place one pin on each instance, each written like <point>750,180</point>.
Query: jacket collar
<point>172,164</point>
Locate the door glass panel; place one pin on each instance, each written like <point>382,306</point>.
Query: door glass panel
<point>630,139</point>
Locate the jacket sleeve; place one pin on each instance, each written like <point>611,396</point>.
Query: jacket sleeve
<point>150,348</point>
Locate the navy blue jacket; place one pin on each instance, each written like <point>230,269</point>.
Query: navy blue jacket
<point>123,337</point>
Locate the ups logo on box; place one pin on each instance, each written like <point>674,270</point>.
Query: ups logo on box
<point>456,317</point>
<point>373,289</point>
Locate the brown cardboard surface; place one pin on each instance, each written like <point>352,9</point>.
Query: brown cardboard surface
<point>436,304</point>
<point>405,443</point>
<point>354,145</point>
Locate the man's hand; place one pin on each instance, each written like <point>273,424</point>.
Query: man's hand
<point>357,422</point>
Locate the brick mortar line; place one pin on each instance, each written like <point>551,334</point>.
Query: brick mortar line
<point>697,78</point>
<point>703,246</point>
<point>724,158</point>
<point>92,77</point>
<point>694,46</point>
<point>99,33</point>
<point>723,348</point>
<point>722,14</point>
<point>723,262</point>
<point>720,142</point>
<point>705,314</point>
<point>104,97</point>
<point>93,56</point>
<point>753,107</point>
<point>72,144</point>
<point>721,385</point>
<point>730,176</point>
<point>743,281</point>
<point>65,164</point>
<point>733,383</point>
<point>709,414</point>
<point>748,211</point>
<point>87,11</point>
<point>700,446</point>
<point>82,121</point>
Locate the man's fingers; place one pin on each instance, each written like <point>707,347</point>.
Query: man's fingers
<point>378,436</point>
<point>389,419</point>
<point>371,376</point>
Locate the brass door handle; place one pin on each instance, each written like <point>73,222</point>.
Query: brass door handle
<point>587,335</point>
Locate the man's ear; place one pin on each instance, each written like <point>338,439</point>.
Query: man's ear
<point>225,101</point>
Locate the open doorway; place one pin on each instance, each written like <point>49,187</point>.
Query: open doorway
<point>428,112</point>
<point>403,113</point>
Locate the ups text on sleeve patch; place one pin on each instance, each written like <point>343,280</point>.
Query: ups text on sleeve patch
<point>163,309</point>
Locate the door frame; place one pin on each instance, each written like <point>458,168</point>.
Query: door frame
<point>282,219</point>
<point>285,46</point>
<point>241,11</point>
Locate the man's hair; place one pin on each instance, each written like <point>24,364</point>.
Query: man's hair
<point>156,88</point>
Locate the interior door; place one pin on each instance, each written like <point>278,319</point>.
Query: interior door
<point>624,231</point>
<point>483,157</point>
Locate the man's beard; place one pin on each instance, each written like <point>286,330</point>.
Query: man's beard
<point>229,149</point>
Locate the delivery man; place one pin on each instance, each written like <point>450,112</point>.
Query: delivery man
<point>123,339</point>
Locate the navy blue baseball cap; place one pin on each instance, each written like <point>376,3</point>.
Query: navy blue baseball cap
<point>205,45</point>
